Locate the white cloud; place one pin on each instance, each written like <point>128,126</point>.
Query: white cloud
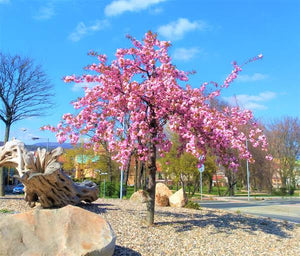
<point>176,29</point>
<point>82,30</point>
<point>45,12</point>
<point>120,6</point>
<point>251,78</point>
<point>185,54</point>
<point>251,101</point>
<point>156,11</point>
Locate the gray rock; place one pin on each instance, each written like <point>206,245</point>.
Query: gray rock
<point>178,199</point>
<point>162,194</point>
<point>140,196</point>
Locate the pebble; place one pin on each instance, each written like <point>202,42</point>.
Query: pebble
<point>181,231</point>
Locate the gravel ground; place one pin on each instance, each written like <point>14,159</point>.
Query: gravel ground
<point>186,231</point>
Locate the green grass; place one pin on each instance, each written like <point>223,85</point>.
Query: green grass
<point>112,190</point>
<point>238,212</point>
<point>6,211</point>
<point>193,205</point>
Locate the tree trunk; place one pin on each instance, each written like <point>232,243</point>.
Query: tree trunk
<point>109,167</point>
<point>126,175</point>
<point>182,181</point>
<point>151,185</point>
<point>145,178</point>
<point>2,186</point>
<point>218,185</point>
<point>142,170</point>
<point>136,174</point>
<point>231,183</point>
<point>7,131</point>
<point>210,182</point>
<point>2,169</point>
<point>196,185</point>
<point>189,185</point>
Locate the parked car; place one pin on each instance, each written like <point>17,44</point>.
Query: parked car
<point>19,189</point>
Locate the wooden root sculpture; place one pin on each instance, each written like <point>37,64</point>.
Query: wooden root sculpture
<point>43,178</point>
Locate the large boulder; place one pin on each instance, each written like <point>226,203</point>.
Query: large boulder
<point>178,199</point>
<point>66,231</point>
<point>140,196</point>
<point>162,194</point>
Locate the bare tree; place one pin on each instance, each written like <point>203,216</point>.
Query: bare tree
<point>25,91</point>
<point>261,171</point>
<point>284,137</point>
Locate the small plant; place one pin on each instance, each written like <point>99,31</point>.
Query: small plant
<point>192,205</point>
<point>6,211</point>
<point>258,198</point>
<point>238,212</point>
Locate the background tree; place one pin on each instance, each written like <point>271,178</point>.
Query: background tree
<point>261,171</point>
<point>260,168</point>
<point>210,170</point>
<point>284,137</point>
<point>86,158</point>
<point>183,168</point>
<point>25,91</point>
<point>143,84</point>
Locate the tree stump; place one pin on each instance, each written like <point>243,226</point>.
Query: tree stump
<point>43,179</point>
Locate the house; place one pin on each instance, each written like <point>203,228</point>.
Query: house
<point>84,166</point>
<point>219,179</point>
<point>276,180</point>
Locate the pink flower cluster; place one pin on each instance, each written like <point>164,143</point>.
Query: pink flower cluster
<point>137,95</point>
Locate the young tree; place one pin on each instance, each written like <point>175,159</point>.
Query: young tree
<point>25,91</point>
<point>180,168</point>
<point>142,85</point>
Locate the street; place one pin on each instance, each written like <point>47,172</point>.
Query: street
<point>277,208</point>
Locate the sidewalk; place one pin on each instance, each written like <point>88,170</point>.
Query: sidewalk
<point>275,207</point>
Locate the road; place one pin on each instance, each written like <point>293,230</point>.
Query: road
<point>283,209</point>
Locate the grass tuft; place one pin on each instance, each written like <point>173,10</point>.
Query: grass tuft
<point>6,211</point>
<point>192,205</point>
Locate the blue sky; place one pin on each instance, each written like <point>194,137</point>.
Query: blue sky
<point>207,35</point>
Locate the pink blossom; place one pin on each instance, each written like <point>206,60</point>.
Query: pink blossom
<point>142,86</point>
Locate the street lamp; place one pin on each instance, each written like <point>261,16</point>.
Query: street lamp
<point>201,170</point>
<point>122,169</point>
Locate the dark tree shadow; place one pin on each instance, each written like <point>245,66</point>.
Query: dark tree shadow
<point>122,251</point>
<point>97,207</point>
<point>226,223</point>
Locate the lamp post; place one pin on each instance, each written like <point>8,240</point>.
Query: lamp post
<point>122,169</point>
<point>104,173</point>
<point>201,169</point>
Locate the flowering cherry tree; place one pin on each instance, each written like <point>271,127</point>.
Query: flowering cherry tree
<point>141,86</point>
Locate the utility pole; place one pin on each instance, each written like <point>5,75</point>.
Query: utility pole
<point>248,174</point>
